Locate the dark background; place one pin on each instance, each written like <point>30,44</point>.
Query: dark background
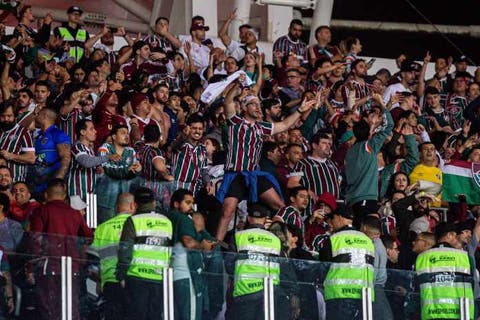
<point>391,44</point>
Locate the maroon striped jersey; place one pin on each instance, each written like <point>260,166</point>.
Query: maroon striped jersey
<point>319,176</point>
<point>361,90</point>
<point>245,141</point>
<point>67,123</point>
<point>17,140</point>
<point>81,180</point>
<point>291,215</point>
<point>146,154</point>
<point>187,164</point>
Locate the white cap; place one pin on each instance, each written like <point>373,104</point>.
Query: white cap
<point>77,203</point>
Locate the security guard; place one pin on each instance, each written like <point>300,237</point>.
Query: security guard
<point>73,34</point>
<point>144,251</point>
<point>444,275</point>
<point>105,244</point>
<point>351,255</point>
<point>258,257</point>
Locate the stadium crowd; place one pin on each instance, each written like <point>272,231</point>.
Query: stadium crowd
<point>217,143</point>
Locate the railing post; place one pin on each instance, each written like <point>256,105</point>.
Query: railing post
<point>168,294</point>
<point>464,309</point>
<point>268,300</point>
<point>92,220</point>
<point>367,303</point>
<point>66,288</point>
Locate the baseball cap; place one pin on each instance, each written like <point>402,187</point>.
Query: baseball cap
<point>73,9</point>
<point>462,58</point>
<point>329,199</point>
<point>443,228</point>
<point>257,210</point>
<point>143,195</point>
<point>137,99</point>
<point>465,225</point>
<point>199,26</point>
<point>408,66</point>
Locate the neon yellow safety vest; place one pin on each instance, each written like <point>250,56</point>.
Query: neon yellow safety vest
<point>258,249</point>
<point>353,254</point>
<point>77,43</point>
<point>105,243</point>
<point>445,276</point>
<point>152,250</point>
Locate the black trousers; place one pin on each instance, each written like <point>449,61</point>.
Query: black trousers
<point>344,309</point>
<point>115,301</point>
<point>145,299</point>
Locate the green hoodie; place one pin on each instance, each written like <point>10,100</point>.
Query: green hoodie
<point>361,167</point>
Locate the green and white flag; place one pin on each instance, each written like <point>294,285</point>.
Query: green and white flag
<point>461,177</point>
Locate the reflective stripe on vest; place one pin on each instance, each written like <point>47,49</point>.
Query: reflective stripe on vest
<point>149,259</point>
<point>107,238</point>
<point>444,269</point>
<point>77,47</point>
<point>259,246</point>
<point>345,280</point>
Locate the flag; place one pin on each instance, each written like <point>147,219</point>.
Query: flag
<point>461,177</point>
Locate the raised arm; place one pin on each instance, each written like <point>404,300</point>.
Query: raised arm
<point>223,33</point>
<point>291,119</point>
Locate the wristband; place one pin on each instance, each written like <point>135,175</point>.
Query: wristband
<point>298,110</point>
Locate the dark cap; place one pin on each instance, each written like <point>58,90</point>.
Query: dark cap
<point>342,211</point>
<point>73,9</point>
<point>465,225</point>
<point>257,210</point>
<point>199,26</point>
<point>143,195</point>
<point>408,66</point>
<point>443,228</point>
<point>462,58</point>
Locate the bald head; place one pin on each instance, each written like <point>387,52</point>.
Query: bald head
<point>126,203</point>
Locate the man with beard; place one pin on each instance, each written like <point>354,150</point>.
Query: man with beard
<point>52,149</point>
<point>355,87</point>
<point>245,139</point>
<point>407,79</point>
<point>272,110</point>
<point>16,144</point>
<point>189,155</point>
<point>199,52</point>
<point>163,114</point>
<point>24,104</point>
<point>118,174</point>
<point>291,43</point>
<point>82,177</point>
<point>5,181</point>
